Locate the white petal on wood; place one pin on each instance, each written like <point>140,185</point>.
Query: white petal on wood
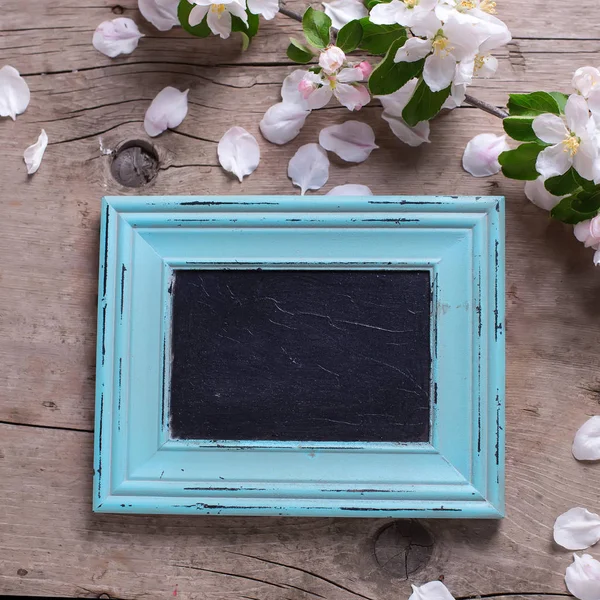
<point>586,445</point>
<point>434,590</point>
<point>309,168</point>
<point>14,93</point>
<point>119,36</point>
<point>283,122</point>
<point>161,13</point>
<point>352,141</point>
<point>583,577</point>
<point>577,529</point>
<point>33,155</point>
<point>167,111</point>
<point>239,152</point>
<point>480,158</point>
<point>350,189</point>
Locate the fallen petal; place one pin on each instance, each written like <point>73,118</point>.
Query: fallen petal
<point>586,445</point>
<point>161,13</point>
<point>33,155</point>
<point>14,93</point>
<point>167,111</point>
<point>119,36</point>
<point>481,154</point>
<point>309,168</point>
<point>434,590</point>
<point>577,529</point>
<point>239,152</point>
<point>350,189</point>
<point>352,141</point>
<point>538,194</point>
<point>342,12</point>
<point>283,122</point>
<point>583,577</point>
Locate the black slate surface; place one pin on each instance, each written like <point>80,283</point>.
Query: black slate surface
<point>301,355</point>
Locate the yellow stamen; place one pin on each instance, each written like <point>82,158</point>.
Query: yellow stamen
<point>440,44</point>
<point>467,5</point>
<point>479,62</point>
<point>571,144</point>
<point>218,8</point>
<point>488,6</point>
<point>411,3</point>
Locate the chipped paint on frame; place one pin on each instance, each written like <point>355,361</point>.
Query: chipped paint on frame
<point>458,474</point>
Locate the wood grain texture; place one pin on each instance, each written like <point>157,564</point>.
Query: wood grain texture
<point>50,542</point>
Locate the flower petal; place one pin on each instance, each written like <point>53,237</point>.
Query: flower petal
<point>353,97</point>
<point>14,93</point>
<point>283,122</point>
<point>320,97</point>
<point>342,12</point>
<point>480,158</point>
<point>550,128</point>
<point>586,445</point>
<point>238,152</point>
<point>119,36</point>
<point>439,71</point>
<point>583,577</point>
<point>577,113</point>
<point>33,155</point>
<point>167,110</point>
<point>577,529</point>
<point>415,49</point>
<point>352,141</point>
<point>537,193</point>
<point>267,8</point>
<point>238,9</point>
<point>413,136</point>
<point>585,80</point>
<point>597,258</point>
<point>332,59</point>
<point>161,13</point>
<point>219,24</point>
<point>350,189</point>
<point>309,168</point>
<point>388,13</point>
<point>456,97</point>
<point>394,103</point>
<point>350,75</point>
<point>434,590</point>
<point>290,92</point>
<point>197,14</point>
<point>553,161</point>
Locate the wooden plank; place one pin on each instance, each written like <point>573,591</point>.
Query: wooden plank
<point>50,541</point>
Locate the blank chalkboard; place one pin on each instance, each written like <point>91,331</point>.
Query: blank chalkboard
<point>301,355</point>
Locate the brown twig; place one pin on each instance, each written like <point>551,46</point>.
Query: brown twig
<point>484,106</point>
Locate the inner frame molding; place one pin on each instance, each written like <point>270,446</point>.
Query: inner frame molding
<point>459,473</point>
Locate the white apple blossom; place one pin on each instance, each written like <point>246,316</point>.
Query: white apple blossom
<point>585,80</point>
<point>407,12</point>
<point>341,12</point>
<point>445,45</point>
<point>573,143</point>
<point>218,14</point>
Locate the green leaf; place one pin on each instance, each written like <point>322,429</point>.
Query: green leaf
<point>424,104</point>
<point>316,25</point>
<point>298,52</point>
<point>349,36</point>
<point>578,207</point>
<point>250,30</point>
<point>520,162</point>
<point>532,105</point>
<point>373,3</point>
<point>520,128</point>
<point>245,41</point>
<point>377,39</point>
<point>183,13</point>
<point>561,100</point>
<point>389,76</point>
<point>562,185</point>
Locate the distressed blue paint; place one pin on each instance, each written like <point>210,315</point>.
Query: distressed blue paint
<point>459,474</point>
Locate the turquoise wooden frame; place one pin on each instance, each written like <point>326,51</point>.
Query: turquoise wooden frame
<point>459,473</point>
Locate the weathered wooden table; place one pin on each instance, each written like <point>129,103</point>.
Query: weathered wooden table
<point>50,542</point>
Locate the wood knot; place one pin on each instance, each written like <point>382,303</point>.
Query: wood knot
<point>117,9</point>
<point>22,572</point>
<point>135,164</point>
<point>403,548</point>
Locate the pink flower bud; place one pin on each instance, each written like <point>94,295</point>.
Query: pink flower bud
<point>588,232</point>
<point>365,68</point>
<point>306,88</point>
<point>332,59</point>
